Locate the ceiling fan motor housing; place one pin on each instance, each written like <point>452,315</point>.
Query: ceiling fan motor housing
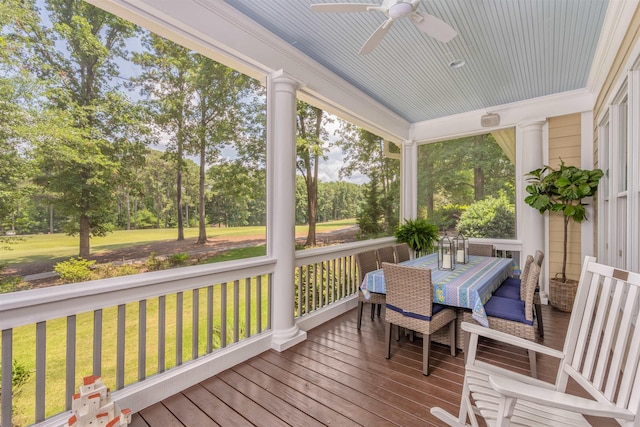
<point>400,10</point>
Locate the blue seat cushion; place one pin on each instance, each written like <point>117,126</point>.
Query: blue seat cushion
<point>434,310</point>
<point>507,309</point>
<point>510,288</point>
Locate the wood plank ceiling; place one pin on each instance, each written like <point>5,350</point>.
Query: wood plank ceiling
<point>513,50</point>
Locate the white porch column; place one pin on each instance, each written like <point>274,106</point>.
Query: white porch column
<point>531,225</point>
<point>281,155</point>
<point>409,180</point>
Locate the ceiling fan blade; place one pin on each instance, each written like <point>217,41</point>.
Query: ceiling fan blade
<point>375,38</point>
<point>434,27</point>
<point>341,7</point>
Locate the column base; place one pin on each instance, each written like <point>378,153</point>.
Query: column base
<point>282,340</point>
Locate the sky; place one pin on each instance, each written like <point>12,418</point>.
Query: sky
<point>328,169</point>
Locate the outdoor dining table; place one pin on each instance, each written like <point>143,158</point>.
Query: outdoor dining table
<point>467,285</point>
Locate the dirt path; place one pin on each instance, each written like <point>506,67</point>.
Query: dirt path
<point>189,246</point>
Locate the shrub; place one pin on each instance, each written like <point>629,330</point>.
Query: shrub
<point>19,376</point>
<point>109,270</point>
<point>177,260</point>
<point>153,263</point>
<point>146,219</point>
<point>491,217</point>
<point>74,270</point>
<point>9,284</point>
<point>447,216</point>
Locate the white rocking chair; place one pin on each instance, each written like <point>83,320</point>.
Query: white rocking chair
<point>601,354</point>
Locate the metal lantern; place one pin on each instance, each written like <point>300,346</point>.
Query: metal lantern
<point>446,254</point>
<point>462,249</point>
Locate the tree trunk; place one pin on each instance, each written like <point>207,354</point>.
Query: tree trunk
<point>50,218</point>
<point>85,232</point>
<point>478,184</point>
<point>179,195</point>
<point>564,252</point>
<point>202,223</point>
<point>312,211</point>
<point>128,200</point>
<point>478,174</point>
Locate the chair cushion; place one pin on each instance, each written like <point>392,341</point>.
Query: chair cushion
<point>507,309</point>
<point>510,288</point>
<point>434,310</point>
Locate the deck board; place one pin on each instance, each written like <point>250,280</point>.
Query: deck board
<point>339,377</point>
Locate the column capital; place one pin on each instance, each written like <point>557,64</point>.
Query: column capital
<point>532,125</point>
<point>408,143</point>
<point>281,78</point>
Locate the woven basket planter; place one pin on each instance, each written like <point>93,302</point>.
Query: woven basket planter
<point>561,295</point>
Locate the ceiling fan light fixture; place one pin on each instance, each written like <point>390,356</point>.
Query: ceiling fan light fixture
<point>457,63</point>
<point>399,10</point>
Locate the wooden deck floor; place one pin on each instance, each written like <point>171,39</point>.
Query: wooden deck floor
<point>339,376</point>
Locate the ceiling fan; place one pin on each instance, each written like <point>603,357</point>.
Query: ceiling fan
<point>394,9</point>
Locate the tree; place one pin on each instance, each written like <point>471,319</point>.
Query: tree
<point>76,58</point>
<point>311,148</point>
<point>364,154</point>
<point>167,69</point>
<point>220,97</point>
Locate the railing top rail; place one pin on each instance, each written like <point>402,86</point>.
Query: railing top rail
<point>325,253</point>
<point>38,305</point>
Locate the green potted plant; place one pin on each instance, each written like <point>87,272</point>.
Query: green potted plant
<point>419,234</point>
<point>563,191</point>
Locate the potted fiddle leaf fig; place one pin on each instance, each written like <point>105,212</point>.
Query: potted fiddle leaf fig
<point>419,234</point>
<point>562,191</point>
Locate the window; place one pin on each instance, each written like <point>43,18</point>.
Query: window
<point>467,185</point>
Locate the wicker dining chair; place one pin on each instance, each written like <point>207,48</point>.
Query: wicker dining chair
<point>512,288</point>
<point>514,316</point>
<point>480,249</point>
<point>386,254</point>
<point>365,262</point>
<point>410,305</point>
<point>402,252</point>
<point>538,258</point>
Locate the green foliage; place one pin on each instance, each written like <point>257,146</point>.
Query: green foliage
<point>105,271</point>
<point>153,263</point>
<point>453,174</point>
<point>562,190</point>
<point>371,212</point>
<point>447,216</point>
<point>177,260</point>
<point>146,219</point>
<point>19,376</point>
<point>419,234</point>
<point>10,284</point>
<point>491,217</point>
<point>75,270</point>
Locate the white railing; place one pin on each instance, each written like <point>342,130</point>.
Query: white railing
<point>326,275</point>
<point>128,329</point>
<point>154,334</point>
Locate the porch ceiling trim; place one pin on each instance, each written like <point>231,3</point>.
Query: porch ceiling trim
<point>510,115</point>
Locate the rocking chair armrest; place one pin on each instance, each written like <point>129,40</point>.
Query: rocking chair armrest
<point>511,339</point>
<point>443,415</point>
<point>544,396</point>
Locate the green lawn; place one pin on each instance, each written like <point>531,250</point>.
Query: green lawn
<point>58,247</point>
